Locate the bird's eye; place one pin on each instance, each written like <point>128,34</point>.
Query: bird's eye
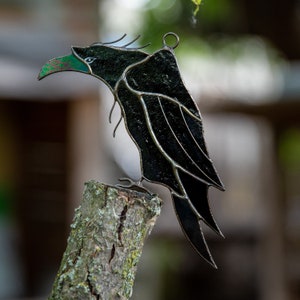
<point>89,60</point>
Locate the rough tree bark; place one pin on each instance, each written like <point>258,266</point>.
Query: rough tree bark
<point>106,240</point>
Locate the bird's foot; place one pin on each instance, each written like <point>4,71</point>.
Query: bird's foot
<point>137,186</point>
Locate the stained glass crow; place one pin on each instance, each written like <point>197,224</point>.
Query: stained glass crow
<point>162,119</point>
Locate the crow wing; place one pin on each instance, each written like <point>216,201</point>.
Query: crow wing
<point>170,125</point>
<point>166,126</point>
<point>171,114</point>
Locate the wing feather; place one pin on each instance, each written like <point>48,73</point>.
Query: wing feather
<point>197,195</point>
<point>168,127</point>
<point>191,228</point>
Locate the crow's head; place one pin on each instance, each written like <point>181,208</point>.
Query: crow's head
<point>103,61</point>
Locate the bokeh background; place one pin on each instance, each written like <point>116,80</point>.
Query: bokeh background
<point>240,61</point>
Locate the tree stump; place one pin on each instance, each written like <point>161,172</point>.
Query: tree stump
<point>105,244</point>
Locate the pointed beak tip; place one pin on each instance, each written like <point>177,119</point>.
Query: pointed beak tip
<point>48,68</point>
<point>40,77</point>
<point>44,72</point>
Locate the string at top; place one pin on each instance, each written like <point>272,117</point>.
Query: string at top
<point>174,35</point>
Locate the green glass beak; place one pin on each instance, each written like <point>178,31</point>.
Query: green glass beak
<point>64,63</point>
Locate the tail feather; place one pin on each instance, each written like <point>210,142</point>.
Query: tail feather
<point>197,193</point>
<point>190,225</point>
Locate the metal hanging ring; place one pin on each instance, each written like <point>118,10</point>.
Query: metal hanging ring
<point>173,35</point>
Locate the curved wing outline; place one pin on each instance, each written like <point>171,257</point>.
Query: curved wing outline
<point>165,124</point>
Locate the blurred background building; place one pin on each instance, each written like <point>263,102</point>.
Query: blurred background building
<point>239,59</point>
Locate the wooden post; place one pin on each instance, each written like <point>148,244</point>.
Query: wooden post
<point>105,244</point>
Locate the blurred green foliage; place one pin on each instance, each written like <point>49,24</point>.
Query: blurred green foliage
<point>197,3</point>
<point>215,31</point>
<point>289,149</point>
<point>5,201</point>
<point>180,16</point>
